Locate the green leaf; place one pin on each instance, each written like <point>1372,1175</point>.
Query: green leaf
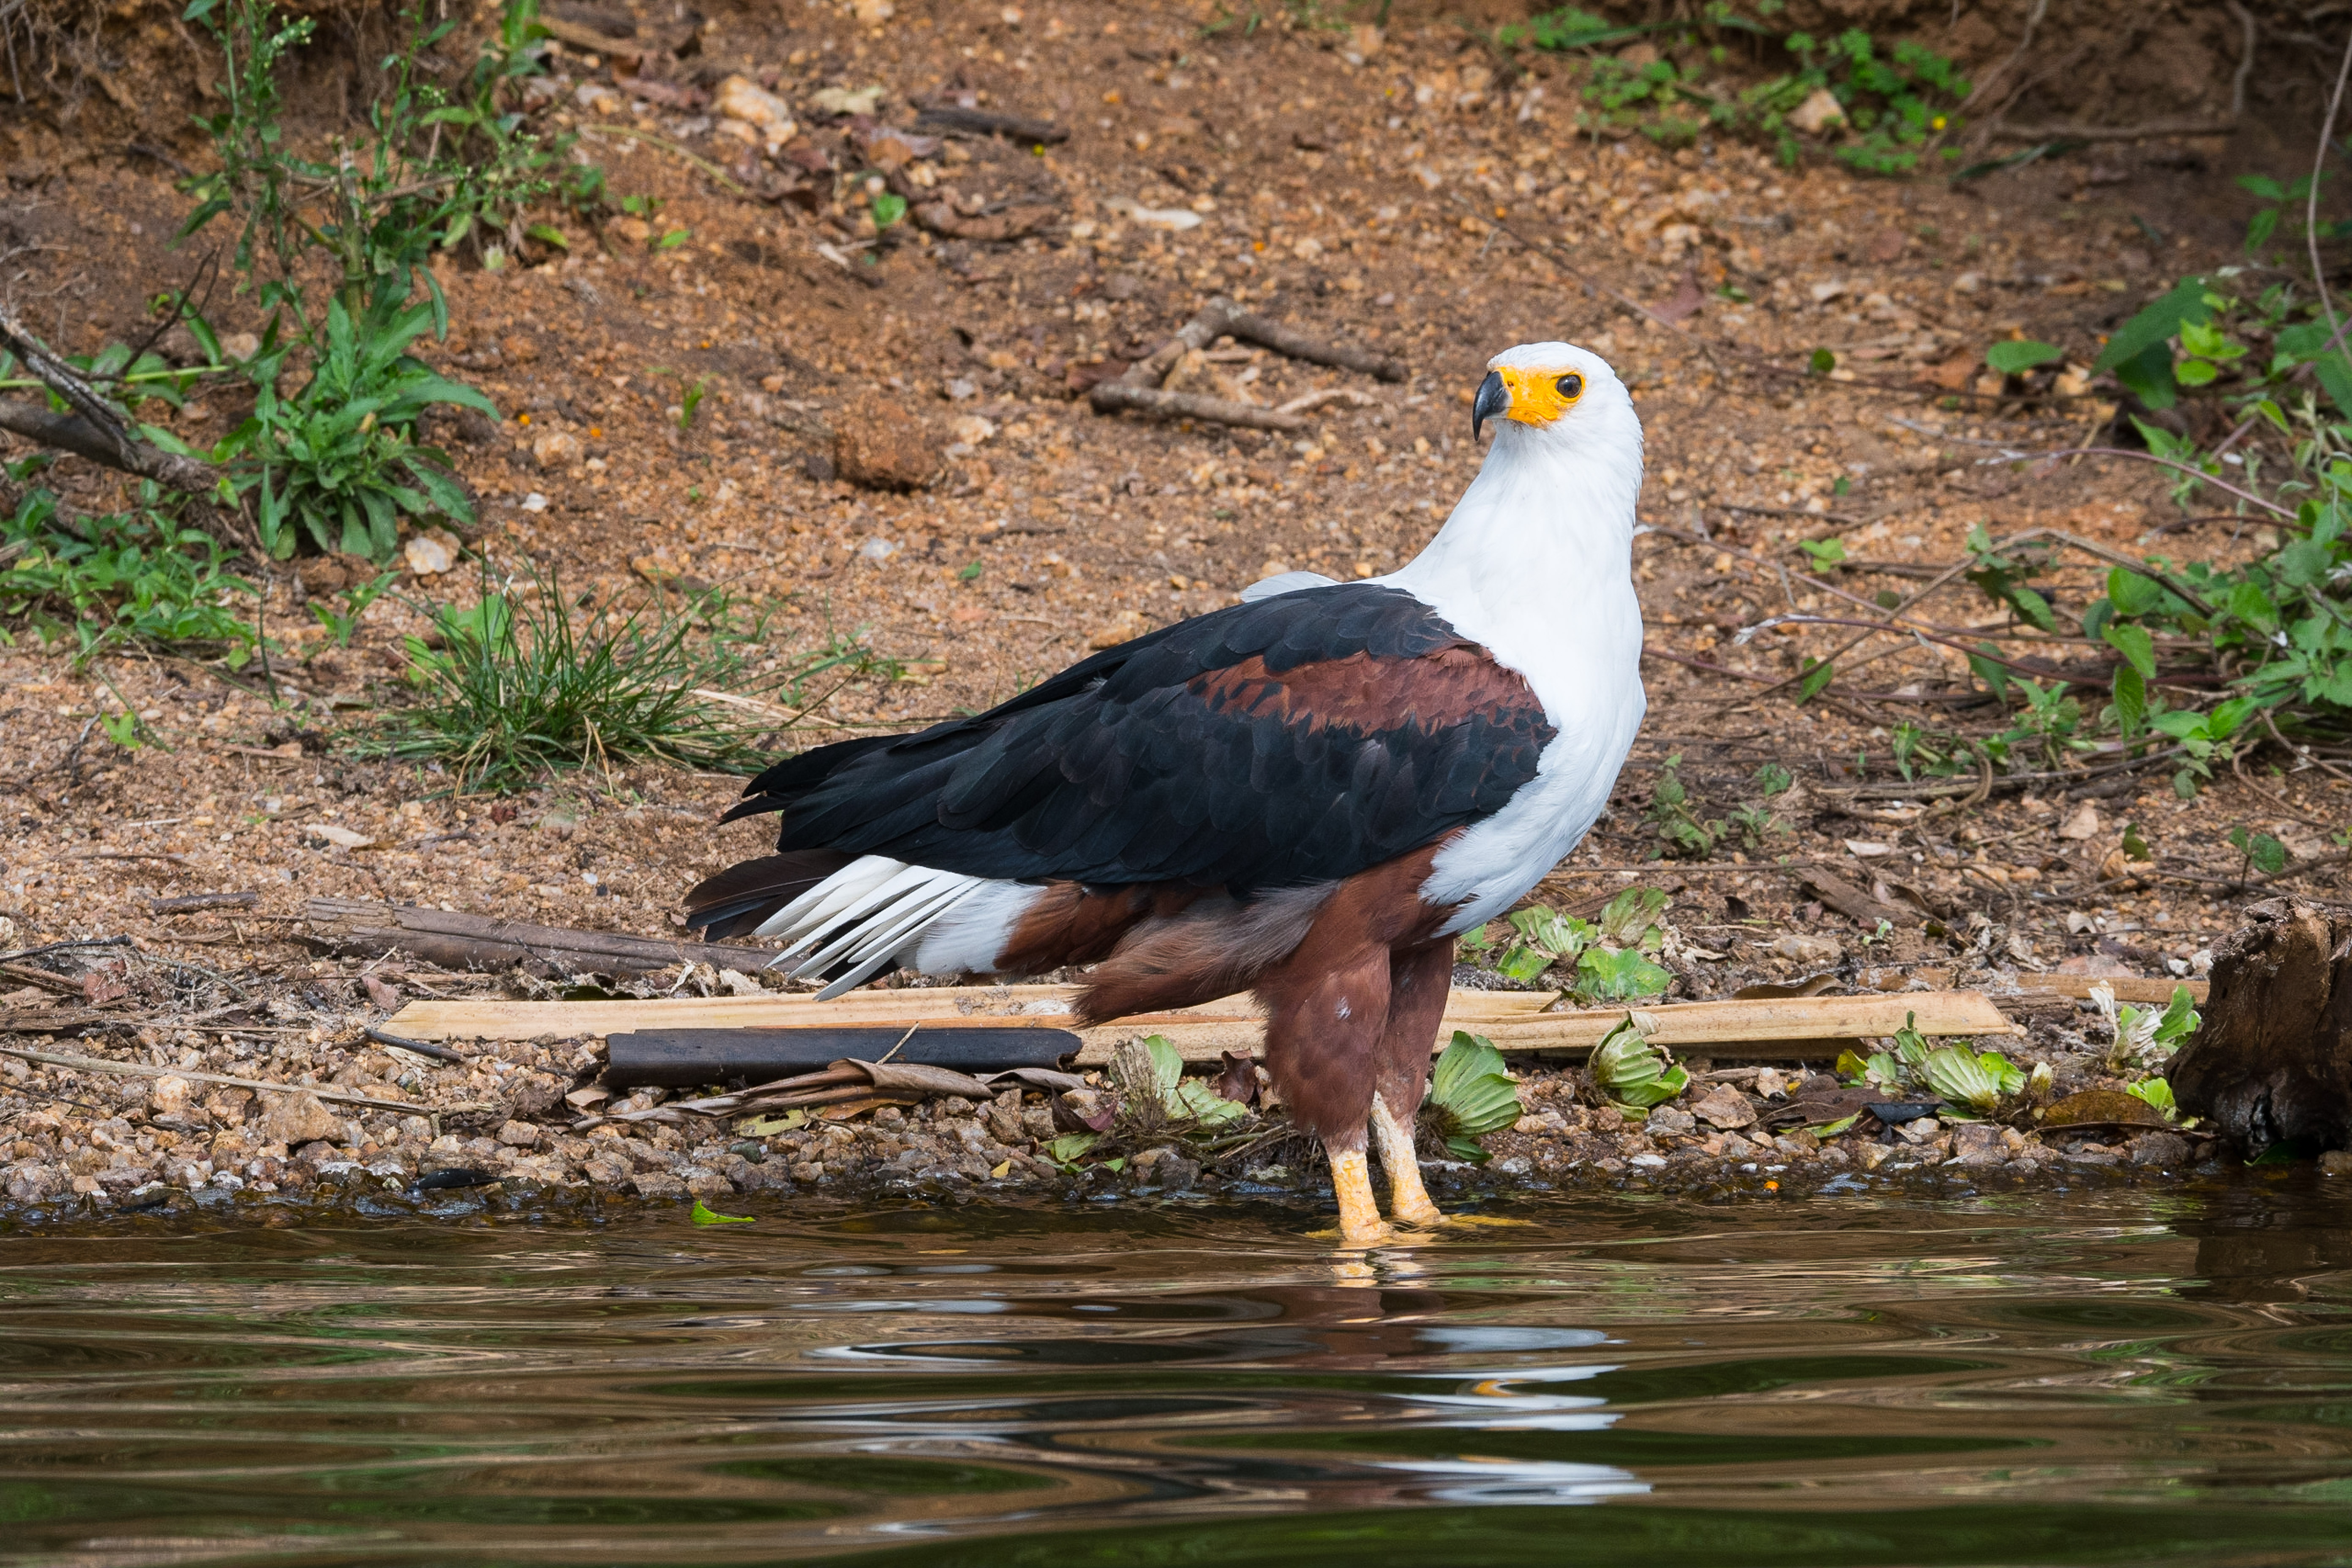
<point>1471,1086</point>
<point>2154,324</point>
<point>1818,674</point>
<point>2180,1018</point>
<point>1070,1146</point>
<point>888,208</point>
<point>2133,593</point>
<point>2148,377</point>
<point>1633,1071</point>
<point>548,235</point>
<point>2196,373</point>
<point>1965,1078</point>
<point>673,239</point>
<point>2156,1092</point>
<point>1822,363</point>
<point>1628,919</point>
<point>1523,964</point>
<point>1624,974</point>
<point>2135,846</point>
<point>2131,700</point>
<point>2014,359</point>
<point>1832,1129</point>
<point>703,1216</point>
<point>2134,644</point>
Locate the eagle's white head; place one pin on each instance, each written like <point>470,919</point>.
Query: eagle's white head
<point>1557,396</point>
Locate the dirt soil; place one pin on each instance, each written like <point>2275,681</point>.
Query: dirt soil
<point>1384,190</point>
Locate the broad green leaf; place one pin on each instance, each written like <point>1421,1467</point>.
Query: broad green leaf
<point>1472,1089</point>
<point>2133,593</point>
<point>704,1216</point>
<point>1624,974</point>
<point>1523,964</point>
<point>2131,700</point>
<point>1627,920</point>
<point>1070,1146</point>
<point>2014,359</point>
<point>1818,674</point>
<point>2134,644</point>
<point>2148,377</point>
<point>2156,323</point>
<point>1963,1078</point>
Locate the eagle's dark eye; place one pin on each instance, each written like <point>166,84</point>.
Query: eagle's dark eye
<point>1571,387</point>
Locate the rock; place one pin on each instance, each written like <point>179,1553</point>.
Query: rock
<point>1818,112</point>
<point>2336,1162</point>
<point>658,1184</point>
<point>1920,1131</point>
<point>844,100</point>
<point>1726,1107</point>
<point>606,1169</point>
<point>1978,1144</point>
<point>519,1136</point>
<point>1177,1174</point>
<point>1671,1119</point>
<point>2168,1151</point>
<point>426,556</point>
<point>2083,824</point>
<point>881,446</point>
<point>297,1118</point>
<point>169,1096</point>
<point>558,449</point>
<point>748,103</point>
<point>1808,949</point>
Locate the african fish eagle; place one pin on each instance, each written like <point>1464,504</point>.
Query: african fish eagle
<point>1307,794</point>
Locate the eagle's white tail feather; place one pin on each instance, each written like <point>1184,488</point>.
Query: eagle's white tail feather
<point>814,909</point>
<point>872,913</point>
<point>888,947</point>
<point>907,897</point>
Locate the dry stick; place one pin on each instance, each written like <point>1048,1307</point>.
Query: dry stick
<point>2307,753</point>
<point>2311,205</point>
<point>1139,389</point>
<point>1111,396</point>
<point>141,1070</point>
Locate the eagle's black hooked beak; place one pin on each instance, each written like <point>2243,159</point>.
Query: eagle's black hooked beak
<point>1493,399</point>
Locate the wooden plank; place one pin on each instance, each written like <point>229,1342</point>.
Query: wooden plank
<point>1781,1029</point>
<point>2128,987</point>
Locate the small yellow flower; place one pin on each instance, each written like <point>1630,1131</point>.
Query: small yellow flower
<point>1937,122</point>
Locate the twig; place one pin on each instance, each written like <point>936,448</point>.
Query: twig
<point>1111,396</point>
<point>65,947</point>
<point>2311,206</point>
<point>141,1070</point>
<point>672,148</point>
<point>420,1047</point>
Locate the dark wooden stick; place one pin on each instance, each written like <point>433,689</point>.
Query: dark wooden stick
<point>456,941</point>
<point>112,449</point>
<point>1111,396</point>
<point>1283,339</point>
<point>981,122</point>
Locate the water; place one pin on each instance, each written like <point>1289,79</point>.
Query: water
<point>2111,1379</point>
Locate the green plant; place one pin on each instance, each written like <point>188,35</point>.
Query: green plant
<point>1160,1079</point>
<point>527,683</point>
<point>2144,1036</point>
<point>1824,555</point>
<point>1633,1073</point>
<point>2014,359</point>
<point>1620,976</point>
<point>2157,1092</point>
<point>1976,1081</point>
<point>1677,826</point>
<point>703,1215</point>
<point>344,624</point>
<point>690,400</point>
<point>1470,1094</point>
<point>338,464</point>
<point>2261,851</point>
<point>119,579</point>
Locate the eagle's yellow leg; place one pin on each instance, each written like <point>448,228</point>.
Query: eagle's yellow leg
<point>1408,1199</point>
<point>1360,1224</point>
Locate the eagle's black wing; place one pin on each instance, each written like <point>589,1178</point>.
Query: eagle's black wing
<point>1301,738</point>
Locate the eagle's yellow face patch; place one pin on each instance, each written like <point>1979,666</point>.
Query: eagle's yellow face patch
<point>1538,397</point>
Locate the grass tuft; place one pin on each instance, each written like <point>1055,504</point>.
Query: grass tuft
<point>526,684</point>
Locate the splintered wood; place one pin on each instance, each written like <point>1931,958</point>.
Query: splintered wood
<point>1783,1029</point>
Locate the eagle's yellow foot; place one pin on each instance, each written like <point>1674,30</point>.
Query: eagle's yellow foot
<point>1408,1199</point>
<point>1360,1224</point>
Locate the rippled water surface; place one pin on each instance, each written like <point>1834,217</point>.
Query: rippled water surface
<point>2134,1379</point>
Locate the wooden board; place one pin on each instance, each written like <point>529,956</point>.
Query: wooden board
<point>1783,1029</point>
<point>2128,987</point>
